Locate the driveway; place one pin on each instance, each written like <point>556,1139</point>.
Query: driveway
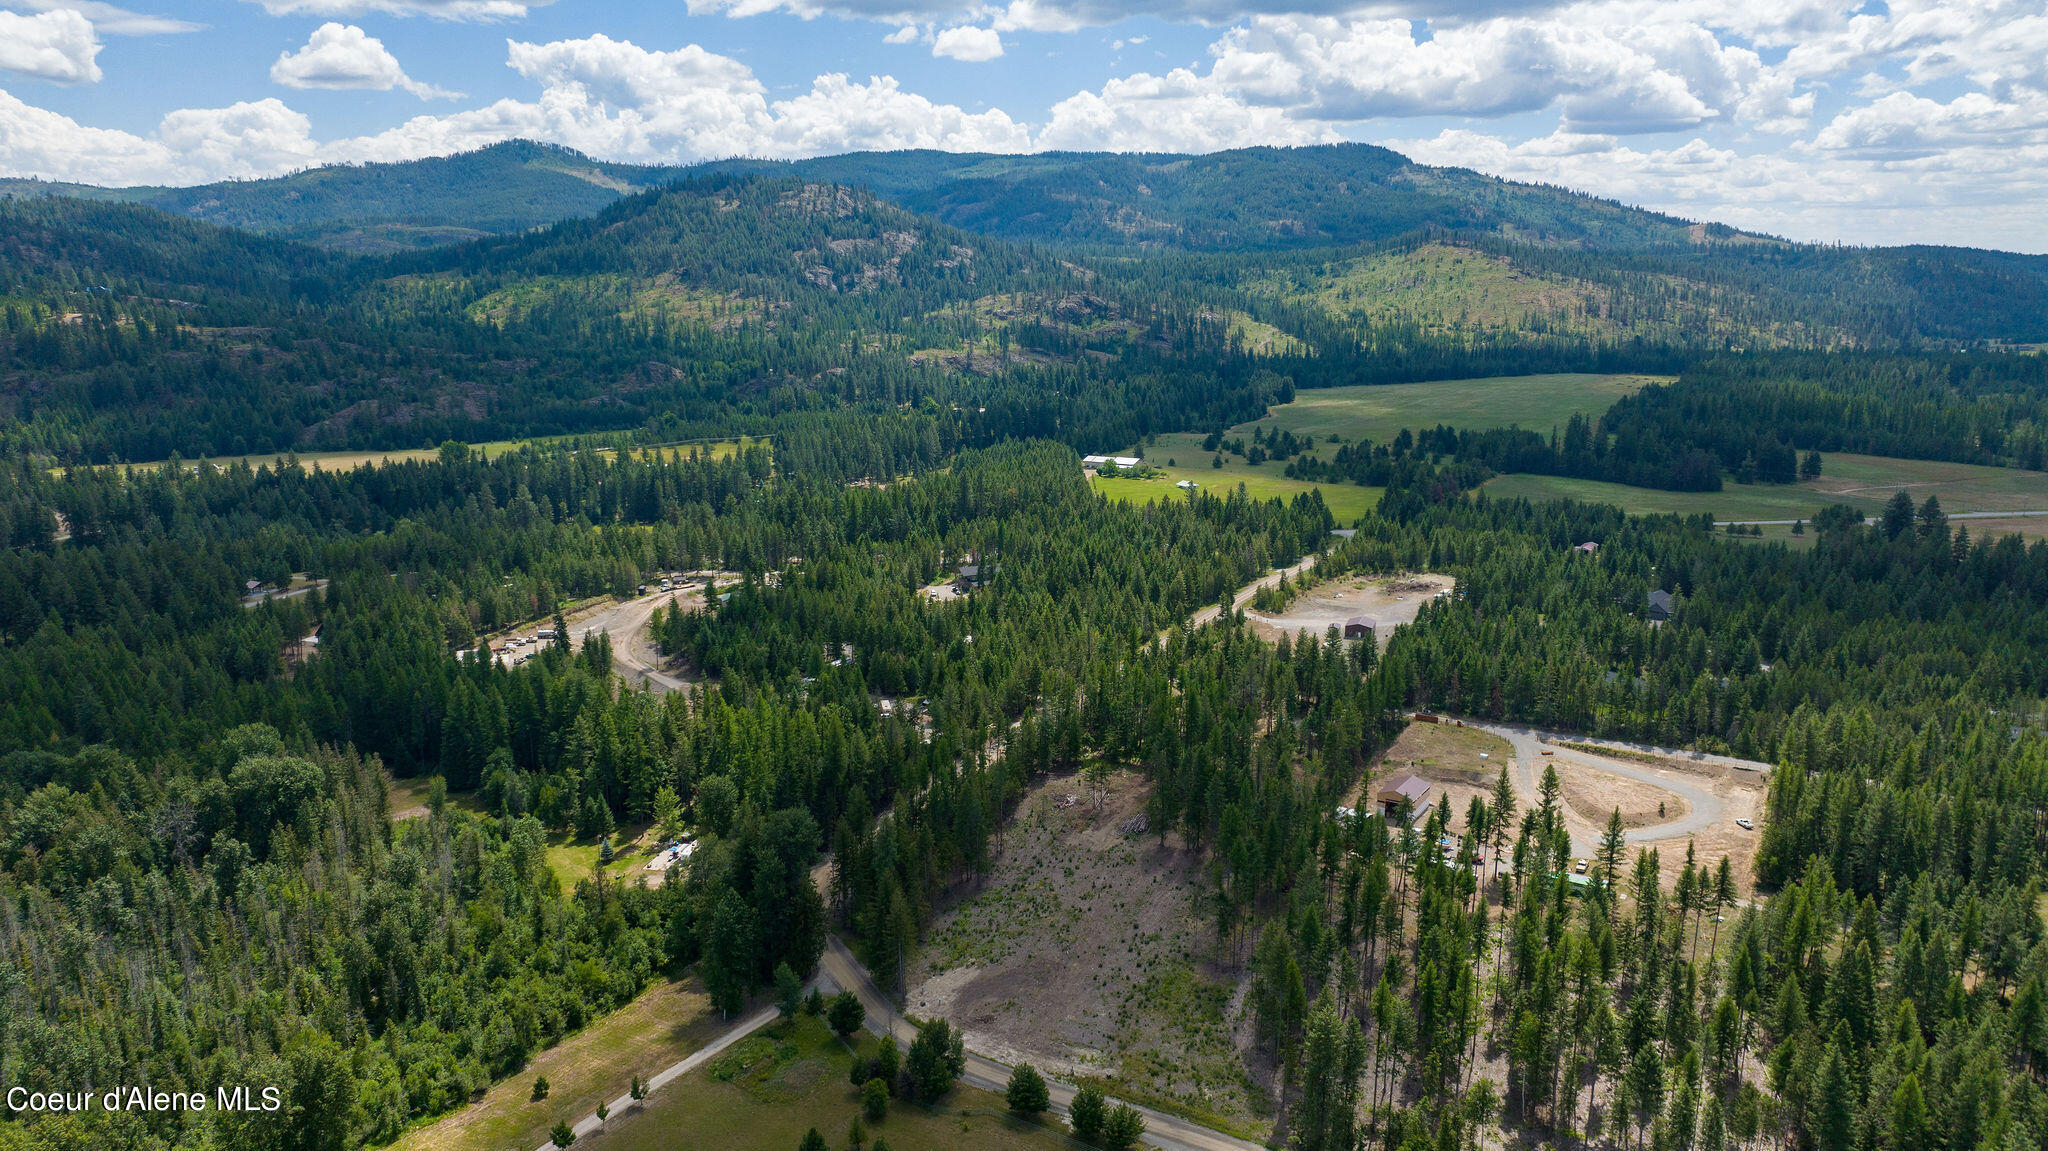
<point>1707,809</point>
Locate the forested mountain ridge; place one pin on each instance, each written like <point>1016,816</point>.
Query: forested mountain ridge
<point>730,301</point>
<point>392,207</point>
<point>727,304</point>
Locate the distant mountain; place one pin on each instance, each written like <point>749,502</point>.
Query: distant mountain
<point>372,208</point>
<point>1249,199</point>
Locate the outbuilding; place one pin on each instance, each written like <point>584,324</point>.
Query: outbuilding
<point>1412,788</point>
<point>1361,627</point>
<point>1660,606</point>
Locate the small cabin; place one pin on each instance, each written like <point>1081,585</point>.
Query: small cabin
<point>1660,606</point>
<point>1412,788</point>
<point>1361,627</point>
<point>1589,547</point>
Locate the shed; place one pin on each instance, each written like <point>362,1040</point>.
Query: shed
<point>1412,788</point>
<point>1660,606</point>
<point>1361,627</point>
<point>1589,547</point>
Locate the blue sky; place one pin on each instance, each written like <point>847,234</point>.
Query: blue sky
<point>1860,122</point>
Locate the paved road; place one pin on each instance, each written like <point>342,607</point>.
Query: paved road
<point>1529,745</point>
<point>618,1108</point>
<point>1169,1132</point>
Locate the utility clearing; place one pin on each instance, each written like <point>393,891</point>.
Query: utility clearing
<point>1087,954</point>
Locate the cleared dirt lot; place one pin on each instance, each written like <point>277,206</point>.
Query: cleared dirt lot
<point>1388,599</point>
<point>1087,953</point>
<point>1594,795</point>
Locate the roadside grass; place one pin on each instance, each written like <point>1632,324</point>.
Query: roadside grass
<point>767,1091</point>
<point>662,1026</point>
<point>1378,412</point>
<point>1862,482</point>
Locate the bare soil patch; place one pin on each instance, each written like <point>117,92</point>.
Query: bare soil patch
<point>1389,599</point>
<point>1595,795</point>
<point>1088,953</point>
<point>1460,762</point>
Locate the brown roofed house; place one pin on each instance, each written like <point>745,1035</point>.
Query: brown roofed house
<point>1412,788</point>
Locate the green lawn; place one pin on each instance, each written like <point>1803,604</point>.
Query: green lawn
<point>1863,482</point>
<point>1346,501</point>
<point>765,1092</point>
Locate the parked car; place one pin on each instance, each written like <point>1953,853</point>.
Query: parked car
<point>1745,825</point>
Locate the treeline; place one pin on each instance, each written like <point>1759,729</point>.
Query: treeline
<point>251,914</point>
<point>1584,450</point>
<point>1971,408</point>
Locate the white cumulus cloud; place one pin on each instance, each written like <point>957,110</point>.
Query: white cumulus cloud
<point>1177,112</point>
<point>616,100</point>
<point>968,43</point>
<point>189,146</point>
<point>344,56</point>
<point>58,45</point>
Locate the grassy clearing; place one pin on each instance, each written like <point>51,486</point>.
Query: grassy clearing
<point>346,461</point>
<point>666,1023</point>
<point>1863,482</point>
<point>572,859</point>
<point>770,1089</point>
<point>1377,412</point>
<point>1451,751</point>
<point>1346,501</point>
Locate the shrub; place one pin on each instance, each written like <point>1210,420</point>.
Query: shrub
<point>874,1100</point>
<point>846,1014</point>
<point>1122,1127</point>
<point>540,1089</point>
<point>1027,1094</point>
<point>1086,1115</point>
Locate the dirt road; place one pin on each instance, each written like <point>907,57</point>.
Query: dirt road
<point>1244,594</point>
<point>1169,1132</point>
<point>633,654</point>
<point>1706,808</point>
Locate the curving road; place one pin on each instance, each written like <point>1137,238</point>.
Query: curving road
<point>1170,1132</point>
<point>1529,745</point>
<point>633,655</point>
<point>1244,594</point>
